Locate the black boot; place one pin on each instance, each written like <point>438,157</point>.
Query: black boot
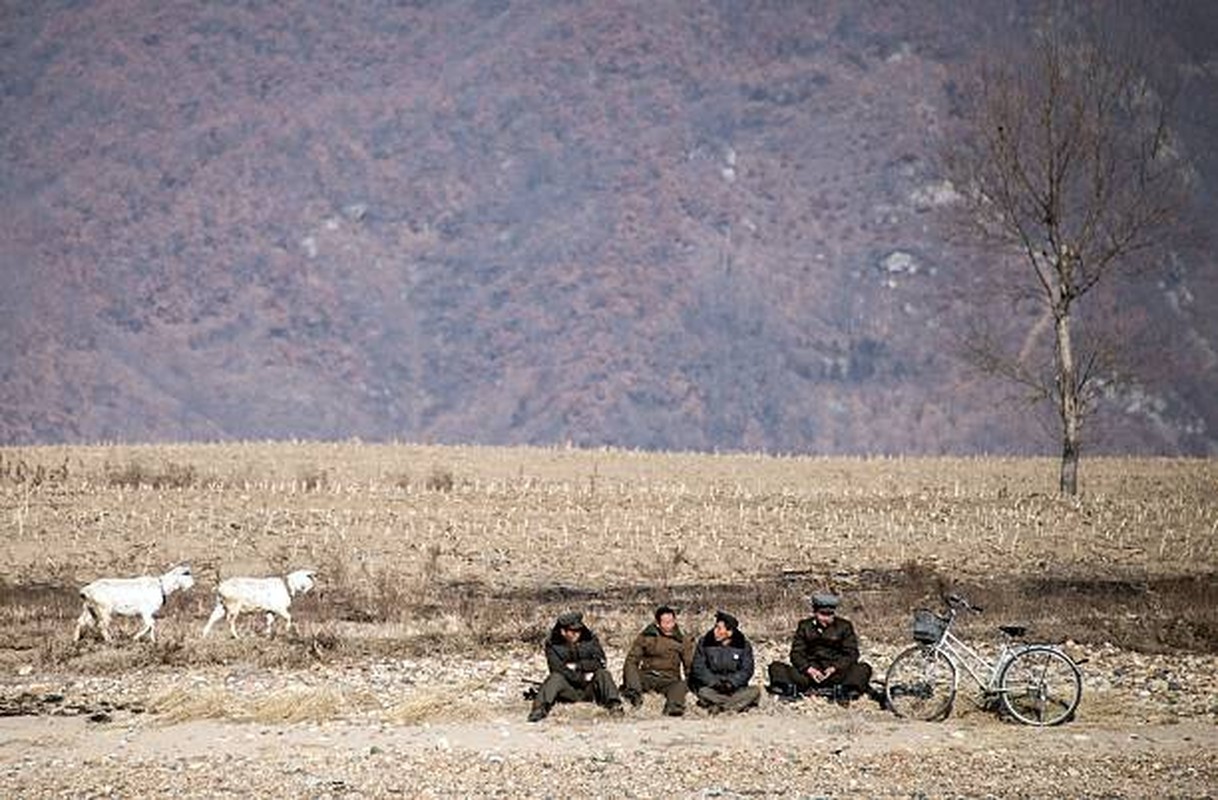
<point>784,691</point>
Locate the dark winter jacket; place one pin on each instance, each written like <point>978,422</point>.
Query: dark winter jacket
<point>715,664</point>
<point>586,654</point>
<point>655,653</point>
<point>834,645</point>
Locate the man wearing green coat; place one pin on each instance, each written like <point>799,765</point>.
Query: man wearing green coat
<point>659,661</point>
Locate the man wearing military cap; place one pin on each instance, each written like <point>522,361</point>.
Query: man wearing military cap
<point>824,656</point>
<point>577,669</point>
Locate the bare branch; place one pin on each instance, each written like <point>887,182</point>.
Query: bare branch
<point>1068,162</point>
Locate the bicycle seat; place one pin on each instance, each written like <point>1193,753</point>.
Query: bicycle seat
<point>1013,630</point>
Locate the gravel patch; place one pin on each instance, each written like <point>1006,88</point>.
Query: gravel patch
<point>432,727</point>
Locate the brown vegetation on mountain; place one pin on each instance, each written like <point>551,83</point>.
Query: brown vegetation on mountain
<point>679,226</point>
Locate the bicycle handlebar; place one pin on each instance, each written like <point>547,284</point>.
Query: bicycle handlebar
<point>957,600</point>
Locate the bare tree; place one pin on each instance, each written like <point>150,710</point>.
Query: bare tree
<point>1068,175</point>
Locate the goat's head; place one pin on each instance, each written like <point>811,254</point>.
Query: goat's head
<point>301,581</point>
<point>178,578</point>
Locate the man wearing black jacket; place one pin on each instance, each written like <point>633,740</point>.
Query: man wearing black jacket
<point>824,656</point>
<point>577,669</point>
<point>723,667</point>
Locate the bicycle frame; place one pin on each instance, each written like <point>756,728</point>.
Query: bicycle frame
<point>981,670</point>
<point>1035,683</point>
<point>975,665</point>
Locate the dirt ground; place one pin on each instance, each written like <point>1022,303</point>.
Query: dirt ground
<point>438,580</point>
<point>455,726</point>
<point>824,753</point>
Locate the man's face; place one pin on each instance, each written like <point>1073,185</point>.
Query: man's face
<point>571,635</point>
<point>668,623</point>
<point>824,615</point>
<point>722,632</point>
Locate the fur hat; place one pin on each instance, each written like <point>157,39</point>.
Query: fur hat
<point>570,619</point>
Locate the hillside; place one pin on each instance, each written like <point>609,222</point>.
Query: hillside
<point>681,226</point>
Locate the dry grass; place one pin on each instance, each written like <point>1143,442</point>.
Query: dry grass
<point>283,706</point>
<point>180,705</point>
<point>487,546</point>
<point>312,704</point>
<point>453,703</point>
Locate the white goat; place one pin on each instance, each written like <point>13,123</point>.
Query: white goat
<point>272,595</point>
<point>129,597</point>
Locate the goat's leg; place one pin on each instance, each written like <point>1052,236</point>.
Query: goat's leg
<point>217,614</point>
<point>232,621</point>
<point>85,620</point>
<point>103,623</point>
<point>287,618</point>
<point>147,618</point>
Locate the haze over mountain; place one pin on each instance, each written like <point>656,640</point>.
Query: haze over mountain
<point>676,225</point>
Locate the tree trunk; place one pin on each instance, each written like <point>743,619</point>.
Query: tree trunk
<point>1069,471</point>
<point>1069,405</point>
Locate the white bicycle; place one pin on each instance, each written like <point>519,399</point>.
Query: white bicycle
<point>1034,683</point>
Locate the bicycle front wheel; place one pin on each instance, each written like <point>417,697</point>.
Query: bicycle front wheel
<point>921,684</point>
<point>1040,686</point>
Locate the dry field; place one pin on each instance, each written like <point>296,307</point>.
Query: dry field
<point>441,569</point>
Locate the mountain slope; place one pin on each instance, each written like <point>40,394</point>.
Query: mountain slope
<point>691,226</point>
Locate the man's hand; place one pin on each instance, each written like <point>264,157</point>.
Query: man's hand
<point>819,675</point>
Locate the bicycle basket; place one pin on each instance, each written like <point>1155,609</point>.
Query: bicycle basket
<point>928,626</point>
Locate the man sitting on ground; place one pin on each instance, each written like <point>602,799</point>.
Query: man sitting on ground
<point>723,667</point>
<point>824,656</point>
<point>577,669</point>
<point>659,661</point>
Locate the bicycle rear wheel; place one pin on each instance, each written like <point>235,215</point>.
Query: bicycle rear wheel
<point>1040,686</point>
<point>921,684</point>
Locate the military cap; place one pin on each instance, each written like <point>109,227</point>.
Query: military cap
<point>825,600</point>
